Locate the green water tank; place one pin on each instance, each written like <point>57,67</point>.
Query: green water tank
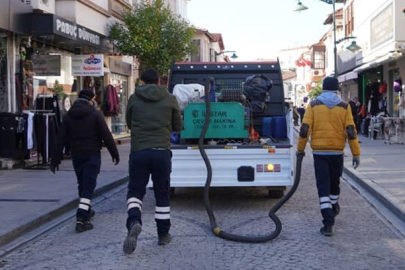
<point>227,121</point>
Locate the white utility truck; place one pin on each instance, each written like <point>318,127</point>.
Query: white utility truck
<point>250,136</point>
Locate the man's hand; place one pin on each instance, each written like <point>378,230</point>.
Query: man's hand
<point>300,153</point>
<point>116,160</point>
<point>356,162</point>
<point>54,168</point>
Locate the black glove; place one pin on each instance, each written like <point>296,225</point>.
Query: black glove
<point>54,168</point>
<point>299,153</point>
<point>116,160</point>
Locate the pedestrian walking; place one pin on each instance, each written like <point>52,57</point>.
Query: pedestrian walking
<point>301,112</point>
<point>329,121</point>
<point>355,107</point>
<point>84,129</point>
<point>296,116</point>
<point>152,114</point>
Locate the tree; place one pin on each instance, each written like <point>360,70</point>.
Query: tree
<point>316,90</point>
<point>154,35</point>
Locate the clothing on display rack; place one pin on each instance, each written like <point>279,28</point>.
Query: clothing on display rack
<point>50,103</point>
<point>13,135</point>
<point>110,105</point>
<point>45,133</point>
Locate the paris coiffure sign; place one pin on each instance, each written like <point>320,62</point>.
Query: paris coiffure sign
<point>88,65</point>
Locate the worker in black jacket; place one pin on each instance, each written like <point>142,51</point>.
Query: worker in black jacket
<point>84,128</point>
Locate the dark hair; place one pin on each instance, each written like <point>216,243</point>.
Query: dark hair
<point>150,76</point>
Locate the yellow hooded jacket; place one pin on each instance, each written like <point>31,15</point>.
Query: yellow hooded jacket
<point>329,127</point>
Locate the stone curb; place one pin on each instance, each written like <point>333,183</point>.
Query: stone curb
<point>383,196</point>
<point>62,209</point>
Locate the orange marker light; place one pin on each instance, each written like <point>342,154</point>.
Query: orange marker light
<point>270,167</point>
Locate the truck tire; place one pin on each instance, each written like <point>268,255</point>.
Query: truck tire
<point>276,193</point>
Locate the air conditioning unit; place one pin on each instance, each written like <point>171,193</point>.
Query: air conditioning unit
<point>47,6</point>
<point>318,72</point>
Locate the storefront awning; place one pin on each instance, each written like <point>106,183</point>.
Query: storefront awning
<point>64,33</point>
<point>377,62</point>
<point>347,76</point>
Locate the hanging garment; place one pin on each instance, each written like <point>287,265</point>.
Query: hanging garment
<point>110,105</point>
<point>30,126</point>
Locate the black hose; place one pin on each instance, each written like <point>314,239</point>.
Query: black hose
<point>272,214</point>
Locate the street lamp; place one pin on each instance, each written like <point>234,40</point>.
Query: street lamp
<point>352,47</point>
<point>234,56</point>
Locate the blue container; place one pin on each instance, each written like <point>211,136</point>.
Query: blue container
<point>279,127</point>
<point>266,127</point>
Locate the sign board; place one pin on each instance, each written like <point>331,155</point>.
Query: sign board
<point>227,121</point>
<point>382,27</point>
<point>120,67</point>
<point>46,65</point>
<point>88,65</point>
<point>74,31</point>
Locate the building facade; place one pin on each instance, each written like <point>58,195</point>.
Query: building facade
<point>376,72</point>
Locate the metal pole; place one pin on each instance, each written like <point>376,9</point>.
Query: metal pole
<point>334,39</point>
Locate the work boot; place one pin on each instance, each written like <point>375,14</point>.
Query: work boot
<point>82,225</point>
<point>336,209</point>
<point>92,213</point>
<point>132,238</point>
<point>164,239</point>
<point>326,230</point>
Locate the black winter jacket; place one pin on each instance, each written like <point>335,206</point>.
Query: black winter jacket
<point>84,129</point>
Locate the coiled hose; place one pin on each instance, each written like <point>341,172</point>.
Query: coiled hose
<point>272,214</point>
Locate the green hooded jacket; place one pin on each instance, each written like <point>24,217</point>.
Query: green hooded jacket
<point>152,114</point>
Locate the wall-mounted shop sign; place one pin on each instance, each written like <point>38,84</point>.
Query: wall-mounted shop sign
<point>46,65</point>
<point>88,65</point>
<point>382,27</point>
<point>120,67</point>
<point>74,31</point>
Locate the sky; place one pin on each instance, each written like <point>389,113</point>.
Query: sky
<point>258,29</point>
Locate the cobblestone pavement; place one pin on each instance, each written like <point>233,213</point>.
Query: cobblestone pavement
<point>361,239</point>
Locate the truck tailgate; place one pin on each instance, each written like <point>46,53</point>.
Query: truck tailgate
<point>272,167</point>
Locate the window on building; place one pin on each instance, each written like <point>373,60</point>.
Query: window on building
<point>196,54</point>
<point>318,57</point>
<point>349,20</point>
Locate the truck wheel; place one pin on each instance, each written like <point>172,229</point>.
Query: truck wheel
<point>276,193</point>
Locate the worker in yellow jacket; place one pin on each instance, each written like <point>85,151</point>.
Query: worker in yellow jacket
<point>329,122</point>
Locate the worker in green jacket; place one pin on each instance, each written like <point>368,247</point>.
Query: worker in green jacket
<point>152,114</point>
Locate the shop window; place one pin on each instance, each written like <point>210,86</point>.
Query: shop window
<point>318,59</point>
<point>44,71</point>
<point>196,54</point>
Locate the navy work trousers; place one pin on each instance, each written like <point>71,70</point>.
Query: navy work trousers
<point>87,170</point>
<point>142,165</point>
<point>328,170</point>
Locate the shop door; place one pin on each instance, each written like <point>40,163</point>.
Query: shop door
<point>118,124</point>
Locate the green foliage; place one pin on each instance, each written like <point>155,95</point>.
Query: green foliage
<point>58,90</point>
<point>154,35</point>
<point>316,90</point>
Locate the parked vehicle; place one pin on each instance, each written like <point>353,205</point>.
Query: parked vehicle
<point>249,138</point>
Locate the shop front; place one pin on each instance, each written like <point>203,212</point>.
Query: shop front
<point>57,60</point>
